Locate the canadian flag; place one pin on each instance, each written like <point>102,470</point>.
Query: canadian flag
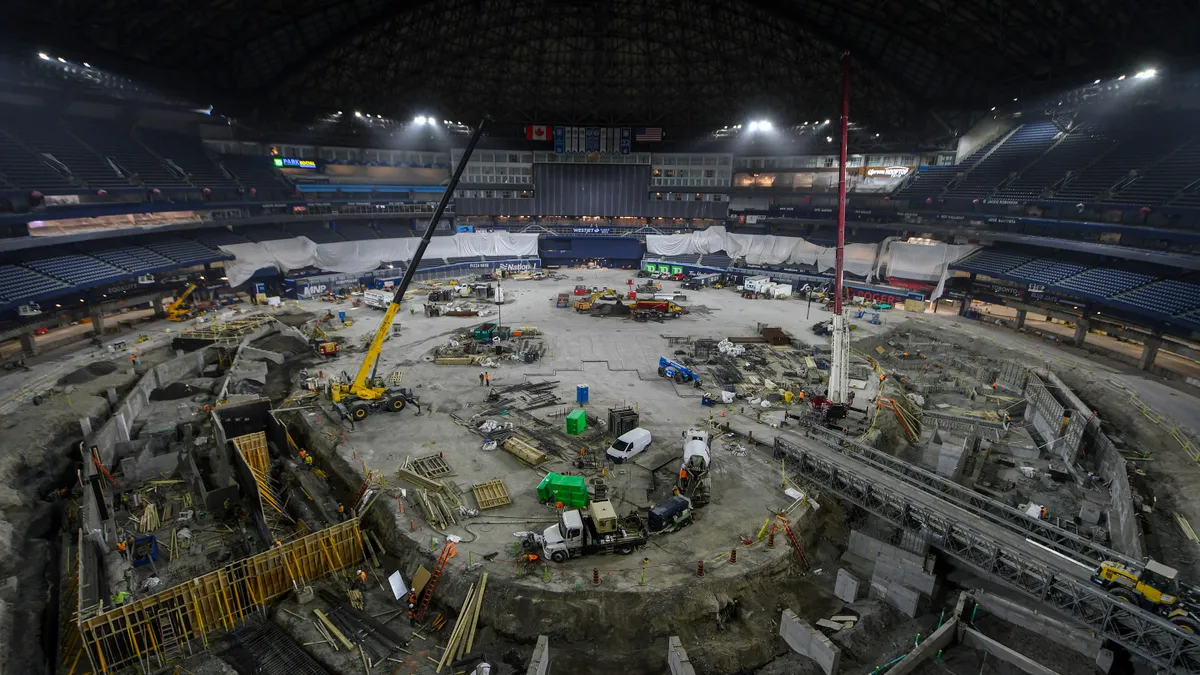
<point>537,132</point>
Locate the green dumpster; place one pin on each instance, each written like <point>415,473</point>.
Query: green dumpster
<point>576,422</point>
<point>570,490</point>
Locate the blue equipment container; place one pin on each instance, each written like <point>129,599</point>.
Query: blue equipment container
<point>581,394</point>
<point>342,317</point>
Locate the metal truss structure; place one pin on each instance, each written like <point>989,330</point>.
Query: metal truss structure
<point>1139,631</point>
<point>682,64</point>
<point>1070,544</point>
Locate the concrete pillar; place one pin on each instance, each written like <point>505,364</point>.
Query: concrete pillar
<point>97,321</point>
<point>1081,331</point>
<point>28,344</point>
<point>539,663</point>
<point>1021,318</point>
<point>1149,351</point>
<point>964,305</point>
<point>160,312</point>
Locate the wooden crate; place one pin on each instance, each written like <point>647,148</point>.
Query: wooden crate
<point>525,451</point>
<point>491,494</point>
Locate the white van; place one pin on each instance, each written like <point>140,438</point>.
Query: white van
<point>629,444</point>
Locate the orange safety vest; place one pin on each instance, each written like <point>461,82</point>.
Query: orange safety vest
<point>683,474</point>
<point>120,546</point>
<point>362,576</point>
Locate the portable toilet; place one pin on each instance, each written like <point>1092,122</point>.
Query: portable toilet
<point>581,394</point>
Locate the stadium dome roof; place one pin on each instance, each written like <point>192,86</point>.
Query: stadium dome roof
<point>693,64</point>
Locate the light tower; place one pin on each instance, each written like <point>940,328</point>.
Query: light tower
<point>839,368</point>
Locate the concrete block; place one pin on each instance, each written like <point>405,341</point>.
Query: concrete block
<point>255,354</point>
<point>871,548</point>
<point>905,600</point>
<point>1090,513</point>
<point>1104,660</point>
<point>677,659</point>
<point>539,663</point>
<point>846,587</point>
<point>806,640</point>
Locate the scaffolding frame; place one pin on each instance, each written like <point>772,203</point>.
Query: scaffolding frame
<point>153,631</point>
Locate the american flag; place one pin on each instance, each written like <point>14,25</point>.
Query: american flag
<point>648,134</point>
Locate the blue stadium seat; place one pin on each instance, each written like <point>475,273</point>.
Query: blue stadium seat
<point>990,262</point>
<point>931,181</point>
<point>1167,297</point>
<point>184,251</point>
<point>188,154</point>
<point>1103,282</point>
<point>263,232</point>
<point>315,232</point>
<point>113,141</point>
<point>27,169</point>
<point>393,230</point>
<point>19,283</point>
<point>254,172</point>
<point>79,270</point>
<point>355,232</point>
<point>1028,143</point>
<point>1045,272</point>
<point>719,260</point>
<point>1077,149</point>
<point>219,236</point>
<point>132,258</point>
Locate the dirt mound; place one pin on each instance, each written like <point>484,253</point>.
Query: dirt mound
<point>293,320</point>
<point>89,372</point>
<point>175,390</point>
<point>284,344</point>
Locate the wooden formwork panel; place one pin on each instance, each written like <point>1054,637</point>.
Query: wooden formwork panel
<point>430,466</point>
<point>491,494</point>
<point>131,636</point>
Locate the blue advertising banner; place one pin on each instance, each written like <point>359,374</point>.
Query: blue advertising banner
<point>593,140</point>
<point>560,140</point>
<point>626,140</point>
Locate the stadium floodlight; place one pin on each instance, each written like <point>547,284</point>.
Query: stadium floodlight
<point>43,56</point>
<point>754,125</point>
<point>420,119</point>
<point>1097,81</point>
<point>357,114</point>
<point>61,60</point>
<point>86,64</point>
<point>1014,99</point>
<point>764,125</point>
<point>1120,78</point>
<point>993,108</point>
<point>1145,74</point>
<point>829,139</point>
<point>826,121</point>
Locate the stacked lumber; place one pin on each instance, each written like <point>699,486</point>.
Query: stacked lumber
<point>149,521</point>
<point>462,638</point>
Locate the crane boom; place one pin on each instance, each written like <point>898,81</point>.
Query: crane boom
<point>182,298</point>
<point>366,372</point>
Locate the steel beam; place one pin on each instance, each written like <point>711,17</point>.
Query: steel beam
<point>1139,631</point>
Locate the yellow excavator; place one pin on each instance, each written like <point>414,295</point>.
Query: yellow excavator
<point>585,304</point>
<point>356,398</point>
<point>178,310</point>
<point>1155,587</point>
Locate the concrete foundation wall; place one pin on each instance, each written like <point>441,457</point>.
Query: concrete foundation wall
<point>806,640</point>
<point>1123,524</point>
<point>894,564</point>
<point>1061,631</point>
<point>539,663</point>
<point>677,658</point>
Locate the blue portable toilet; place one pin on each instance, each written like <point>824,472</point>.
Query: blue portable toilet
<point>342,317</point>
<point>581,394</point>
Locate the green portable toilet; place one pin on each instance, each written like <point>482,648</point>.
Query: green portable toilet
<point>570,490</point>
<point>576,421</point>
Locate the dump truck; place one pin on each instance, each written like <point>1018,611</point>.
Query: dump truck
<point>648,309</point>
<point>596,531</point>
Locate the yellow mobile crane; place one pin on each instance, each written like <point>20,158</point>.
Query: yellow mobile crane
<point>356,398</point>
<point>177,311</point>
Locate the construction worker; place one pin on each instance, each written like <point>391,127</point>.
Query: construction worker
<point>133,359</point>
<point>682,474</point>
<point>487,379</point>
<point>277,544</point>
<point>362,580</point>
<point>119,598</point>
<point>303,454</point>
<point>341,512</point>
<point>123,550</point>
<point>308,462</point>
<point>481,379</point>
<point>1044,512</point>
<point>412,610</point>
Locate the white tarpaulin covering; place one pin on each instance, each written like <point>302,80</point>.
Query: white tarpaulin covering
<point>923,262</point>
<point>364,256</point>
<point>764,249</point>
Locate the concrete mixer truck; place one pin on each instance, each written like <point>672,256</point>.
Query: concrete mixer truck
<point>693,481</point>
